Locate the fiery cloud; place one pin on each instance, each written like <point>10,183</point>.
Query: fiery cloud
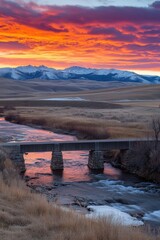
<point>60,36</point>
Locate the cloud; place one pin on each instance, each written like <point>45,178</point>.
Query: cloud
<point>104,36</point>
<point>29,14</point>
<point>130,28</point>
<point>34,15</point>
<point>13,45</point>
<point>112,34</point>
<point>106,15</point>
<point>156,4</point>
<point>104,2</point>
<point>143,48</point>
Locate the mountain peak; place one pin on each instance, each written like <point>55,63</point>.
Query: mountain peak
<point>79,70</point>
<point>76,72</point>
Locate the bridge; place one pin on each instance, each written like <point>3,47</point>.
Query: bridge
<point>95,148</point>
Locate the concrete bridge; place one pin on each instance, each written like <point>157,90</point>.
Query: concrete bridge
<point>95,148</point>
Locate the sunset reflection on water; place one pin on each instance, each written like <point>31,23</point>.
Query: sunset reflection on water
<point>75,168</point>
<point>38,164</point>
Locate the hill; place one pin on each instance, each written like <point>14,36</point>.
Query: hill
<point>38,88</point>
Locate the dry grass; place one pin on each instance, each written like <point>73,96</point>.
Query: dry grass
<point>84,128</point>
<point>42,89</point>
<point>89,123</point>
<point>25,215</point>
<point>96,118</point>
<point>140,92</point>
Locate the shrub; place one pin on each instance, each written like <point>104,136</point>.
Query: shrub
<point>8,107</point>
<point>15,118</point>
<point>143,160</point>
<point>2,160</point>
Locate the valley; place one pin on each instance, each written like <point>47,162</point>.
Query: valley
<point>79,120</point>
<point>116,111</point>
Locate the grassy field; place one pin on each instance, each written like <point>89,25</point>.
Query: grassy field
<point>116,123</point>
<point>98,117</point>
<point>37,88</point>
<point>90,119</point>
<point>27,215</point>
<point>141,92</point>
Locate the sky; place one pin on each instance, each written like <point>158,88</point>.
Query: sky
<point>89,33</point>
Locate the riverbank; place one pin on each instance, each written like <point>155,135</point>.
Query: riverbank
<point>145,167</point>
<point>142,160</point>
<point>36,218</point>
<point>76,185</point>
<point>78,128</point>
<point>88,122</point>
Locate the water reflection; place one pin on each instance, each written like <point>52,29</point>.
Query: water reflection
<point>38,164</point>
<point>20,133</point>
<point>75,168</point>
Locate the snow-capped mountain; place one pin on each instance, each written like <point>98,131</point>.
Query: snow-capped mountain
<point>29,72</point>
<point>45,73</point>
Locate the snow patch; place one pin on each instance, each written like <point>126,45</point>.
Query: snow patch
<point>79,70</point>
<point>65,99</point>
<point>45,73</point>
<point>27,69</point>
<point>117,216</point>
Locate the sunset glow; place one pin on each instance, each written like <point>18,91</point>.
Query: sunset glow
<point>98,35</point>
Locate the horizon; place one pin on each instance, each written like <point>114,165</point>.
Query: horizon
<point>106,34</point>
<point>140,72</point>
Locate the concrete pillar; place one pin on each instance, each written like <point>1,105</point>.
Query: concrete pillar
<point>17,158</point>
<point>57,160</point>
<point>96,160</point>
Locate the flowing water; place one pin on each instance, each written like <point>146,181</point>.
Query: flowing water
<point>76,186</point>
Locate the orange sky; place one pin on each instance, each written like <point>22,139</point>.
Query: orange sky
<point>62,36</point>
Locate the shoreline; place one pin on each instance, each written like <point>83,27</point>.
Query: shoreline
<point>74,133</point>
<point>66,195</point>
<point>79,136</point>
<point>78,204</point>
<point>54,220</point>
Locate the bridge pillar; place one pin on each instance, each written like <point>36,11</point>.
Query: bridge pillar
<point>96,160</point>
<point>17,158</point>
<point>57,161</point>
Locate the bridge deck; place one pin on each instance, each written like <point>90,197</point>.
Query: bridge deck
<point>98,145</point>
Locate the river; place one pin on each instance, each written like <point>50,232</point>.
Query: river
<point>76,186</point>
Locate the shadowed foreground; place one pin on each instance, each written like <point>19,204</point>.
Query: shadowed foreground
<point>25,215</point>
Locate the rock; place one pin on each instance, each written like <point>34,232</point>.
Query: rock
<point>28,178</point>
<point>123,201</point>
<point>80,201</point>
<point>56,184</point>
<point>49,188</point>
<point>38,189</point>
<point>65,184</point>
<point>110,200</point>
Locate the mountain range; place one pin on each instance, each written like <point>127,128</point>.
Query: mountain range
<point>76,73</point>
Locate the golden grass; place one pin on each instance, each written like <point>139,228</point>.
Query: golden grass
<point>26,215</point>
<point>96,118</point>
<point>140,92</point>
<point>87,123</point>
<point>103,91</point>
<point>84,128</point>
